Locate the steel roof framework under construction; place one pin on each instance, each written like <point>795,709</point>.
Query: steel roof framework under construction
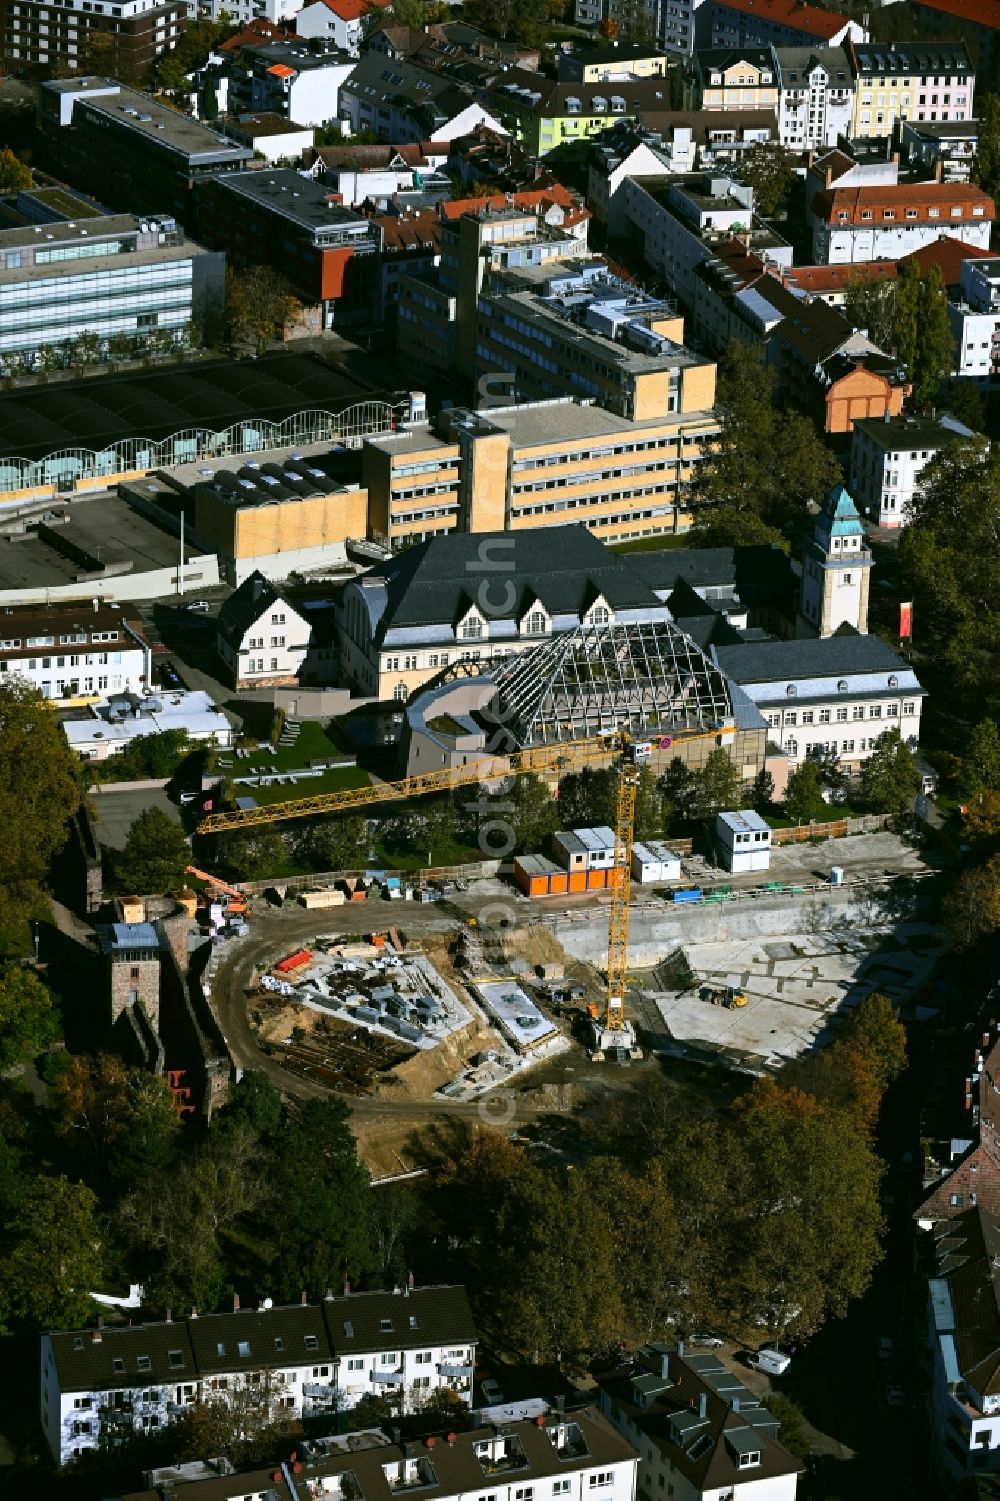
<point>645,677</point>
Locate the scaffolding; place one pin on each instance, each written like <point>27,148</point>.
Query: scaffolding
<point>645,677</point>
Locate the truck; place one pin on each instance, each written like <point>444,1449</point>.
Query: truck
<point>771,1362</point>
<point>725,995</point>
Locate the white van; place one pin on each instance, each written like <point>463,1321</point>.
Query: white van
<point>771,1362</point>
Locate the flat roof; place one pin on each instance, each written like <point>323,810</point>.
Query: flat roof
<point>283,190</point>
<point>126,541</point>
<point>745,820</point>
<point>142,113</point>
<point>196,713</point>
<point>265,124</point>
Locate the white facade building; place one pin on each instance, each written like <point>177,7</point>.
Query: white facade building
<point>341,21</point>
<point>888,458</point>
<point>74,653</point>
<point>242,12</point>
<point>744,841</point>
<point>99,1384</point>
<point>854,224</point>
<point>117,721</point>
<point>815,96</point>
<point>975,320</point>
<point>261,638</point>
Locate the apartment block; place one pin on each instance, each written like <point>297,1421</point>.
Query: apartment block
<point>575,1456</point>
<point>778,23</point>
<point>344,22</point>
<point>945,151</point>
<point>672,144</point>
<point>297,80</point>
<point>740,78</point>
<point>400,102</point>
<point>277,217</point>
<point>909,81</point>
<point>884,223</point>
<point>42,34</point>
<point>74,653</point>
<point>103,1384</point>
<point>534,466</point>
<point>158,153</point>
<point>815,96</point>
<point>974,314</point>
<point>978,21</point>
<point>105,276</point>
<point>888,458</point>
<point>618,64</point>
<point>542,115</point>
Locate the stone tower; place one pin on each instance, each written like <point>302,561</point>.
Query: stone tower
<point>836,569</point>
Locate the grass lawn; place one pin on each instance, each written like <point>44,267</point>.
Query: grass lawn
<point>448,852</point>
<point>653,544</point>
<point>336,780</point>
<point>311,744</point>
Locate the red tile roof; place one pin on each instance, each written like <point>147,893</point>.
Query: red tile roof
<point>979,12</point>
<point>281,70</point>
<point>846,205</point>
<point>947,254</point>
<point>352,10</point>
<point>542,198</point>
<point>822,280</point>
<point>808,18</point>
<point>257,31</point>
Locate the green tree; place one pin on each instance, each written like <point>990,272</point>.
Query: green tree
<point>648,805</point>
<point>717,786</point>
<point>122,1121</point>
<point>259,303</point>
<point>324,1225</point>
<point>246,1424</point>
<point>677,788</point>
<point>38,797</point>
<point>768,465</point>
<point>762,791</point>
<point>803,799</point>
<point>794,1432</point>
<point>156,854</point>
<point>254,854</point>
<point>14,174</point>
<point>871,306</point>
<point>120,347</point>
<point>972,907</point>
<point>587,798</point>
<point>980,763</point>
<point>253,1102</point>
<point>333,843</point>
<point>52,1261</point>
<point>889,778</point>
<point>935,352</point>
<point>769,169</point>
<point>640,1212</point>
<point>29,1022</point>
<point>964,401</point>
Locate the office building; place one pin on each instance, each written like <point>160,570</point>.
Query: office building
<point>38,34</point>
<point>888,458</point>
<point>102,278</point>
<point>102,1385</point>
<point>158,153</point>
<point>277,217</point>
<point>538,465</point>
<point>909,81</point>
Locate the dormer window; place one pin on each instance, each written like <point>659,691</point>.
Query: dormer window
<point>791,691</point>
<point>471,628</point>
<point>750,1460</point>
<point>535,623</point>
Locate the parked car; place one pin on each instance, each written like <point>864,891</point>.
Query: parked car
<point>705,1337</point>
<point>198,606</point>
<point>491,1392</point>
<point>170,676</point>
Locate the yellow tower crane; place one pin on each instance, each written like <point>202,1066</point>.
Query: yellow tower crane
<point>628,753</point>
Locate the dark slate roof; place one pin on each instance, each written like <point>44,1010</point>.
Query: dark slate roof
<point>244,608</point>
<point>564,567</point>
<point>425,1316</point>
<point>701,1448</point>
<point>777,661</point>
<point>258,1338</point>
<point>93,1360</point>
<point>759,574</point>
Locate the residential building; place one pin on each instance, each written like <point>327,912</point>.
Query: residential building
<point>888,458</point>
<point>438,316</point>
<point>434,604</point>
<point>679,226</point>
<point>542,114</point>
<point>697,1427</point>
<point>734,78</point>
<point>281,218</point>
<point>669,144</point>
<point>411,246</point>
<point>815,96</point>
<point>113,724</point>
<point>977,21</point>
<point>885,223</point>
<point>909,81</point>
<point>100,1385</point>
<point>945,150</point>
<point>974,315</point>
<point>620,63</point>
<point>527,467</point>
<point>777,23</point>
<point>272,138</point>
<point>273,14</point>
<point>358,173</point>
<point>839,169</point>
<point>38,35</point>
<point>400,102</point>
<point>298,80</point>
<point>159,153</point>
<point>829,284</point>
<point>491,155</point>
<point>102,277</point>
<point>452,46</point>
<point>74,653</point>
<point>343,22</point>
<point>261,638</point>
<point>576,1455</point>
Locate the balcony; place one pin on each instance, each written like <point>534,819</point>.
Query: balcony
<point>451,1372</point>
<point>318,1391</point>
<point>410,1474</point>
<point>497,1456</point>
<point>385,1377</point>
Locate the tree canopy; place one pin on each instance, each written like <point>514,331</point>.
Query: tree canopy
<point>156,854</point>
<point>907,316</point>
<point>889,778</point>
<point>52,1257</point>
<point>28,1018</point>
<point>769,168</point>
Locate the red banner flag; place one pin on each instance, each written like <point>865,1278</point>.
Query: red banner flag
<point>906,620</point>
